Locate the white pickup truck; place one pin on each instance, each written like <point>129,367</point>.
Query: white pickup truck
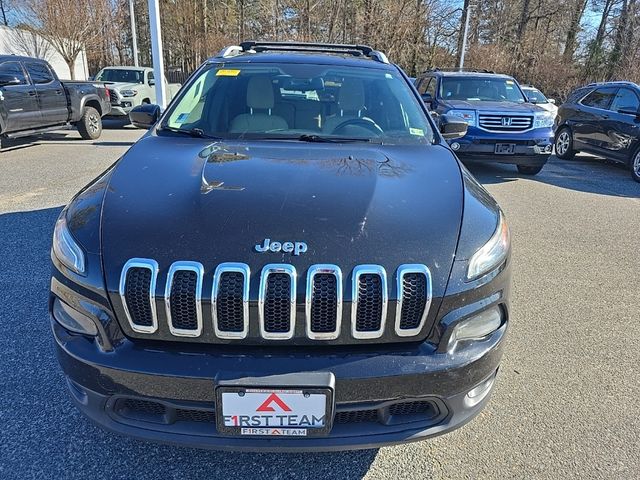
<point>131,86</point>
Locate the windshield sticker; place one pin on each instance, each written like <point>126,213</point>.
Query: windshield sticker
<point>182,118</point>
<point>226,72</point>
<point>416,131</point>
<point>509,82</point>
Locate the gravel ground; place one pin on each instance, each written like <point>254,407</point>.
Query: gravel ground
<point>564,405</point>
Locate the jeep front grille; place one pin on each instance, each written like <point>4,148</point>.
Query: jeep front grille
<point>276,306</point>
<point>182,299</point>
<point>277,301</point>
<point>414,299</point>
<point>137,292</point>
<point>504,123</point>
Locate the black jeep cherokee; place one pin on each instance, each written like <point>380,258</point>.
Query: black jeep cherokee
<point>292,258</point>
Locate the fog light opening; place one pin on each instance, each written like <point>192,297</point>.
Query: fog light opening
<point>479,392</point>
<point>455,146</point>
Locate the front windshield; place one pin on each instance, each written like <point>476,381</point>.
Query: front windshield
<point>120,75</point>
<point>480,89</point>
<point>298,101</point>
<point>535,95</point>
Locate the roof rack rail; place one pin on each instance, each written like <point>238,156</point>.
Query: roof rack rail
<point>472,70</point>
<point>253,47</point>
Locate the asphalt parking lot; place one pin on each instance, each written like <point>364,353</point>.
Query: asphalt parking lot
<point>565,405</point>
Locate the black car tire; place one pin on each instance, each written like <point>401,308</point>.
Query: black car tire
<point>635,165</point>
<point>529,170</point>
<point>564,144</point>
<point>90,125</point>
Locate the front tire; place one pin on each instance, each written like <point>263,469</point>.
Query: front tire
<point>529,170</point>
<point>90,125</point>
<point>635,165</point>
<point>564,144</point>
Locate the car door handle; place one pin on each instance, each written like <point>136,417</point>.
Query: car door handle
<point>605,116</point>
<point>58,92</point>
<point>31,93</point>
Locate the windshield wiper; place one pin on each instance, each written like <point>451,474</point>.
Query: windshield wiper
<point>322,139</point>
<point>192,132</point>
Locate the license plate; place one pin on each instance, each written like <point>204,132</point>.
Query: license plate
<point>281,412</point>
<point>505,148</point>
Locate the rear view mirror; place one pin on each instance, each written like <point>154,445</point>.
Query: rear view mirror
<point>532,100</point>
<point>145,115</point>
<point>452,127</point>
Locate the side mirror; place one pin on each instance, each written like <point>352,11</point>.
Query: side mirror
<point>151,82</point>
<point>6,80</point>
<point>144,116</point>
<point>452,127</point>
<point>427,99</point>
<point>552,100</point>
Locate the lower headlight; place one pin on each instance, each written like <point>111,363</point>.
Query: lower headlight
<point>492,253</point>
<point>73,320</point>
<point>477,327</point>
<point>65,247</point>
<point>543,120</point>
<point>128,93</point>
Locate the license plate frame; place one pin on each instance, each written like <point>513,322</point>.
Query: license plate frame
<point>293,388</point>
<point>505,148</point>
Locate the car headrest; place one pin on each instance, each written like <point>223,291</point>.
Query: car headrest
<point>351,95</point>
<point>260,93</point>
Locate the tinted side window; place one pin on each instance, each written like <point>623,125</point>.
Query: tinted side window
<point>625,99</point>
<point>39,73</point>
<point>431,88</point>
<point>424,83</point>
<point>150,76</point>
<point>13,70</point>
<point>600,98</point>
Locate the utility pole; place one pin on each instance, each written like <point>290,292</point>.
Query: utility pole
<point>134,37</point>
<point>464,35</point>
<point>156,53</point>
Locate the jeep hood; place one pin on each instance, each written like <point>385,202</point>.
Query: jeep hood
<point>174,198</point>
<point>510,107</point>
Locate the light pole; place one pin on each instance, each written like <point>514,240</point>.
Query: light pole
<point>134,37</point>
<point>156,53</point>
<point>464,36</point>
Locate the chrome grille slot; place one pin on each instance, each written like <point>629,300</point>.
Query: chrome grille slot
<point>324,302</point>
<point>183,295</point>
<point>369,301</point>
<point>505,123</point>
<point>230,300</point>
<point>414,299</point>
<point>137,292</point>
<point>277,301</point>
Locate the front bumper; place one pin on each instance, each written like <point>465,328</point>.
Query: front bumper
<point>182,380</point>
<point>532,148</point>
<point>120,111</point>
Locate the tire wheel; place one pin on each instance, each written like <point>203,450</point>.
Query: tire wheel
<point>564,144</point>
<point>528,170</point>
<point>635,166</point>
<point>90,125</point>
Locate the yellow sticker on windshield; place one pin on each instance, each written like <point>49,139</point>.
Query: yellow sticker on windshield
<point>416,131</point>
<point>225,72</point>
<point>509,82</point>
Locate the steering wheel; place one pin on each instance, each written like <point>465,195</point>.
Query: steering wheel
<point>363,122</point>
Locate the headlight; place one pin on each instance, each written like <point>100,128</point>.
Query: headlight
<point>468,116</point>
<point>65,247</point>
<point>543,120</point>
<point>128,93</point>
<point>477,327</point>
<point>492,253</point>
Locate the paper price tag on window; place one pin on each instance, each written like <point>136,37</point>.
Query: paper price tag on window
<point>226,72</point>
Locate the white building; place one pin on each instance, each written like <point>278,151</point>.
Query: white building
<point>22,42</point>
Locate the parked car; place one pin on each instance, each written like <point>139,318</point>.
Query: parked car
<point>537,97</point>
<point>33,100</point>
<point>131,86</point>
<point>303,265</point>
<point>503,125</point>
<point>602,119</point>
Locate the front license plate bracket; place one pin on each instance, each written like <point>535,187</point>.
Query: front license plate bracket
<point>280,405</point>
<point>505,148</point>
